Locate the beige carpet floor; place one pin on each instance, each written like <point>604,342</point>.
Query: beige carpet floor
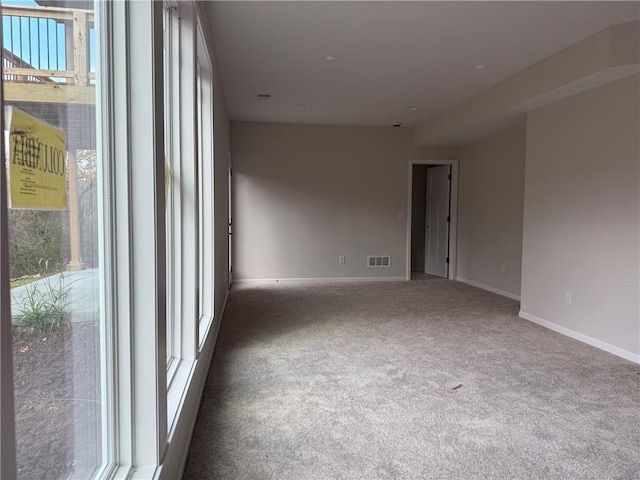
<point>428,379</point>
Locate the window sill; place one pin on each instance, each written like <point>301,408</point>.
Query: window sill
<point>177,390</point>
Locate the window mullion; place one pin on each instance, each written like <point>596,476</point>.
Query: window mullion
<point>140,233</point>
<point>207,187</point>
<point>104,175</point>
<point>148,231</point>
<point>176,207</point>
<point>121,260</point>
<point>188,321</point>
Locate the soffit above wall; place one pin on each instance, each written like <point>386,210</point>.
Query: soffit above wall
<point>391,55</point>
<point>609,55</point>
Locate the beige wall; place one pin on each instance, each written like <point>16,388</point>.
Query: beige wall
<point>306,194</point>
<point>581,215</point>
<point>490,205</point>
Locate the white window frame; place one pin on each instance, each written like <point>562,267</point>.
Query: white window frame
<point>103,19</point>
<point>171,84</point>
<point>207,189</point>
<point>142,400</point>
<point>188,130</point>
<point>185,231</point>
<point>182,259</point>
<point>135,96</point>
<point>183,238</point>
<point>149,396</point>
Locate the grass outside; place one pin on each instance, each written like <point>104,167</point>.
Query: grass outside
<point>18,282</point>
<point>23,281</point>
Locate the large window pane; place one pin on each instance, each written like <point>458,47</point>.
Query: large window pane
<point>171,187</point>
<point>55,231</point>
<point>204,109</point>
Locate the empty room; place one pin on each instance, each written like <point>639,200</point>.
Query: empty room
<point>309,240</point>
<point>435,243</point>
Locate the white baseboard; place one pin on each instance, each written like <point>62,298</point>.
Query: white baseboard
<point>488,288</point>
<point>607,347</point>
<point>224,305</point>
<point>319,280</point>
<point>180,438</point>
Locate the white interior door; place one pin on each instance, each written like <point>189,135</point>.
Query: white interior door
<point>436,242</point>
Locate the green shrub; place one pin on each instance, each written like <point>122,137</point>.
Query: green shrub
<point>44,305</point>
<point>36,242</point>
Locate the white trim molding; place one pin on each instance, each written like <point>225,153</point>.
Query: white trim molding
<point>488,288</point>
<point>607,347</point>
<point>188,407</point>
<point>318,280</point>
<point>136,95</point>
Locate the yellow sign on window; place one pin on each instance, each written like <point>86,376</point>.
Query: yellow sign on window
<point>37,163</point>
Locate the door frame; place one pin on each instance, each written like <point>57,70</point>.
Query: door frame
<point>453,207</point>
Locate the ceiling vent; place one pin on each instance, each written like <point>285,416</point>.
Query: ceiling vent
<point>379,261</point>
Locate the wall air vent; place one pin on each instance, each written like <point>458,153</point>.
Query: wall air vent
<point>379,261</point>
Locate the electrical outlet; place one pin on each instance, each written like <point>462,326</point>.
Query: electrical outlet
<point>342,259</point>
<point>568,297</point>
<point>502,269</point>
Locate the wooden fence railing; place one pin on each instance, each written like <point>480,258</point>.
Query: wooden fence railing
<point>48,50</point>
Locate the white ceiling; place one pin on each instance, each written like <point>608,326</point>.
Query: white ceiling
<point>392,55</point>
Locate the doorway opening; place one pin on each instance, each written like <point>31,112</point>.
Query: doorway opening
<point>431,219</point>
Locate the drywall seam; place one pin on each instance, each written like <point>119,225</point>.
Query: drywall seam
<point>607,347</point>
<point>504,293</point>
